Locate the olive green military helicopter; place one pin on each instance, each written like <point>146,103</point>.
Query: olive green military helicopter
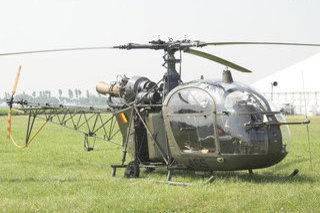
<point>202,125</point>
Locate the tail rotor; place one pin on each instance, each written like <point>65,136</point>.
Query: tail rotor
<point>10,103</point>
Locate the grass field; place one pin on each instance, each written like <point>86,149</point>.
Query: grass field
<point>3,111</point>
<point>55,174</point>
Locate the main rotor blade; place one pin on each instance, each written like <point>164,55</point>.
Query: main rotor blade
<point>217,59</point>
<point>257,43</point>
<point>55,50</point>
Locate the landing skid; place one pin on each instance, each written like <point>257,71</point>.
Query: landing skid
<point>152,167</point>
<point>149,168</point>
<point>294,173</point>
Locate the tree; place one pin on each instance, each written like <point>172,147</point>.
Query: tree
<point>47,94</point>
<point>88,94</point>
<point>76,92</point>
<point>70,93</point>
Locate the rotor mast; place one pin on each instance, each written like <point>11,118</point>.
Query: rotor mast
<point>171,78</point>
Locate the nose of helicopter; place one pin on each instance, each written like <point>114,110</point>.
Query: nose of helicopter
<point>207,128</point>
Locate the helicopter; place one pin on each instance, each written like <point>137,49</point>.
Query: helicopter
<point>201,125</point>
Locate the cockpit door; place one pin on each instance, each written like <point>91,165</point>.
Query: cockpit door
<point>191,117</point>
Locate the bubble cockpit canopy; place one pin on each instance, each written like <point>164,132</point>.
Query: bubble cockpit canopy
<point>213,116</point>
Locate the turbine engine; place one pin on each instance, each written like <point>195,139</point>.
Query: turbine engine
<point>137,88</point>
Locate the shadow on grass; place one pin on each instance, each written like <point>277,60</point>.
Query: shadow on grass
<point>265,177</point>
<point>296,161</point>
<point>45,180</point>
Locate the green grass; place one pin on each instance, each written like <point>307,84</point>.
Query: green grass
<point>55,174</point>
<point>4,111</point>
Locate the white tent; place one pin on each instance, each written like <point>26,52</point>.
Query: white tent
<point>296,83</point>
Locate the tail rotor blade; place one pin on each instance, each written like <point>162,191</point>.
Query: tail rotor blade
<point>9,124</point>
<point>16,81</point>
<point>11,102</point>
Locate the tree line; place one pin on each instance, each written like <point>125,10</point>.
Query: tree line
<point>73,97</point>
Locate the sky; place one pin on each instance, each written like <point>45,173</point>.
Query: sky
<point>49,24</point>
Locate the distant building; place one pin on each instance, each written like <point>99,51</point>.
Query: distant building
<point>290,94</point>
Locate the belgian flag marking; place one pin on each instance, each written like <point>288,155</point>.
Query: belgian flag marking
<point>123,118</point>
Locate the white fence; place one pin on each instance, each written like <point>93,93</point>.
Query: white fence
<point>294,102</point>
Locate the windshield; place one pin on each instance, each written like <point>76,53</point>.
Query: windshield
<point>191,120</point>
<point>191,100</point>
<point>233,117</point>
<point>241,115</point>
<point>237,107</point>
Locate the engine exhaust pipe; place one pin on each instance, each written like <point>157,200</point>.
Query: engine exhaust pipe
<point>111,89</point>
